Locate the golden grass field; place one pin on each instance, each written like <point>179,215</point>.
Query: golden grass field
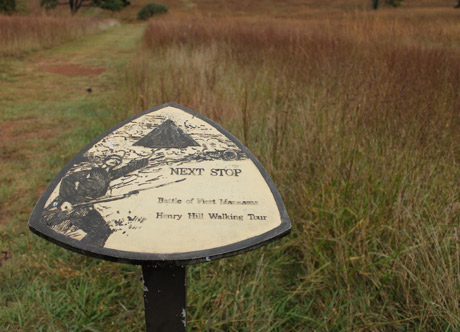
<point>355,114</point>
<point>23,34</point>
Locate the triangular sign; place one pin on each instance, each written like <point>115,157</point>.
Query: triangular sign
<point>167,185</point>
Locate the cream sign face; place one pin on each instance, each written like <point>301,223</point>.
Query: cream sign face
<point>166,185</point>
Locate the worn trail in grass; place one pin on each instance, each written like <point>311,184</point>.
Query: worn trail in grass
<point>49,104</point>
<point>47,115</point>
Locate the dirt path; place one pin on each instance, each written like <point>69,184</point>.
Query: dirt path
<point>67,70</point>
<point>46,105</point>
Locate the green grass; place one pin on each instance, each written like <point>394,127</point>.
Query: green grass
<point>47,118</point>
<point>355,115</point>
<point>56,290</point>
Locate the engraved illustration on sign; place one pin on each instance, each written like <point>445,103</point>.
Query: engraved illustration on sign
<point>168,184</point>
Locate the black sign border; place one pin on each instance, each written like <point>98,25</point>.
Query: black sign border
<point>184,258</point>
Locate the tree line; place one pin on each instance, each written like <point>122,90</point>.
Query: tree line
<point>397,3</point>
<point>9,6</point>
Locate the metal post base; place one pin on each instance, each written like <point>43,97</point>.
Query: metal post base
<point>164,298</point>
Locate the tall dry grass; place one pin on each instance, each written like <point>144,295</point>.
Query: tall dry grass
<point>357,121</point>
<point>22,34</point>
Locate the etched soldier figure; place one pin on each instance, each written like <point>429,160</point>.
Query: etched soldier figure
<point>74,210</point>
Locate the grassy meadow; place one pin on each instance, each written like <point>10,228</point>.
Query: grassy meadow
<point>25,34</point>
<point>354,113</point>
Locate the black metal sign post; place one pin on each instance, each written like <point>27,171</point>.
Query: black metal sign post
<point>164,298</point>
<point>163,189</point>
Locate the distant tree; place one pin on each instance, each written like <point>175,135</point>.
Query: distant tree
<point>7,6</point>
<point>75,5</point>
<point>151,9</point>
<point>394,3</point>
<point>375,4</point>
